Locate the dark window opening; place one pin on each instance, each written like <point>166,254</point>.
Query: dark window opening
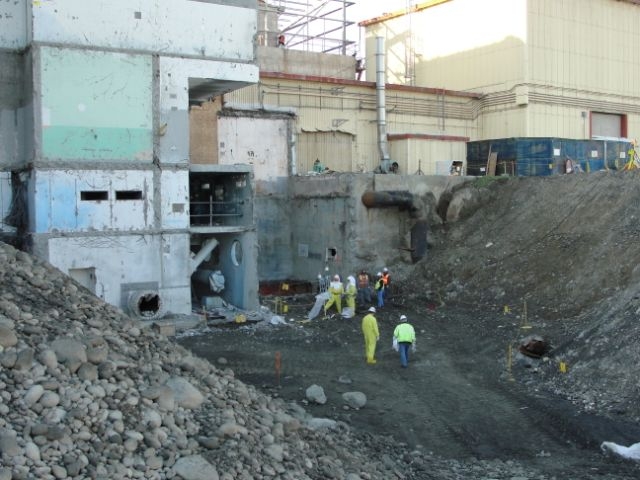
<point>94,196</point>
<point>128,195</point>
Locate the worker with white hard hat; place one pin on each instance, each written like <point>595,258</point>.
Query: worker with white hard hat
<point>336,290</point>
<point>350,292</point>
<point>404,336</point>
<point>371,335</point>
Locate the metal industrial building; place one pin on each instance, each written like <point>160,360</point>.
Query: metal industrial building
<point>544,68</point>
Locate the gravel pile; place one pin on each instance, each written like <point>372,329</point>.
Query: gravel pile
<point>87,392</point>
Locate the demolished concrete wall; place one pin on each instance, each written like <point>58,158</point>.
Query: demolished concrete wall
<point>326,212</point>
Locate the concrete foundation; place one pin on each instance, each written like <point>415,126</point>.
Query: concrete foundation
<point>322,223</point>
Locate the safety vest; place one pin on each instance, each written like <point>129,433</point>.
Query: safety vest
<point>405,333</point>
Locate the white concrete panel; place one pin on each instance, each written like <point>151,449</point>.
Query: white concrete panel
<point>130,259</point>
<point>174,186</point>
<point>13,24</point>
<point>174,27</point>
<point>260,142</point>
<point>90,200</point>
<point>174,98</point>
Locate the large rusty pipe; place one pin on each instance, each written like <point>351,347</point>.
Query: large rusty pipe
<point>390,198</point>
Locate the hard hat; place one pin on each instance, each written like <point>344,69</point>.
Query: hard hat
<point>336,277</point>
<point>372,309</point>
<point>385,269</point>
<point>379,274</point>
<point>403,318</point>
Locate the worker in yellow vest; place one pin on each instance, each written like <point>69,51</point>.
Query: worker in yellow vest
<point>405,337</point>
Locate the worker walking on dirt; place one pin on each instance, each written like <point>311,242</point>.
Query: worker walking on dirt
<point>371,335</point>
<point>336,290</point>
<point>405,337</point>
<point>350,293</point>
<point>379,288</point>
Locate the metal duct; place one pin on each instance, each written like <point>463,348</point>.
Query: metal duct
<point>381,106</point>
<point>204,252</point>
<point>405,201</point>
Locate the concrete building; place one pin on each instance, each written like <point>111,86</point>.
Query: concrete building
<point>95,170</point>
<point>544,68</point>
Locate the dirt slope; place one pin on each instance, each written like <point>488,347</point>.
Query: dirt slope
<point>567,248</point>
<point>552,257</point>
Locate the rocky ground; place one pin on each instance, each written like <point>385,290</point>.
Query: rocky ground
<point>86,392</point>
<point>544,258</point>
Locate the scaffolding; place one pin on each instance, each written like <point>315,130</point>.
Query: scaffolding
<point>308,25</point>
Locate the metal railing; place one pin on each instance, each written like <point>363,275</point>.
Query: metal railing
<point>210,212</point>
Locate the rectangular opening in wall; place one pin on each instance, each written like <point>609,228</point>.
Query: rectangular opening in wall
<point>94,196</point>
<point>128,195</point>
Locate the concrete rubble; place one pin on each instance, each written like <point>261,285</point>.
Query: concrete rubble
<point>87,392</point>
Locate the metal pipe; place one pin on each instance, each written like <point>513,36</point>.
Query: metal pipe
<point>381,105</point>
<point>389,198</point>
<point>204,252</point>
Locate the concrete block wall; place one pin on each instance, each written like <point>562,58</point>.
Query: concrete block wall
<point>95,105</point>
<point>13,24</point>
<point>92,200</point>
<point>13,108</point>
<point>122,263</point>
<point>94,109</point>
<point>175,27</point>
<point>323,212</point>
<point>261,142</point>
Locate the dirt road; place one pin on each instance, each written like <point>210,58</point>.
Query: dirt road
<point>456,400</point>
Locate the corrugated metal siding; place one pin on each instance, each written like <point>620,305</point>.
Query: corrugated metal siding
<point>494,34</point>
<point>541,64</point>
<point>419,156</point>
<point>594,49</point>
<point>338,110</point>
<point>333,149</point>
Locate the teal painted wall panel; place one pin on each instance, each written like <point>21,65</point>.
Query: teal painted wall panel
<point>96,105</point>
<point>97,143</point>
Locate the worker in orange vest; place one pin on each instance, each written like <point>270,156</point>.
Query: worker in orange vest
<point>364,288</point>
<point>386,280</point>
